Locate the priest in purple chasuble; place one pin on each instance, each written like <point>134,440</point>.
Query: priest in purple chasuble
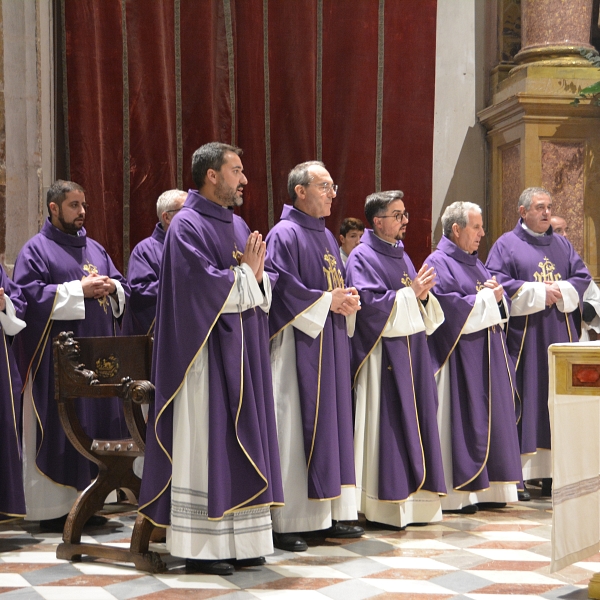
<point>545,279</point>
<point>211,470</point>
<point>474,374</point>
<point>399,473</point>
<point>310,359</point>
<point>12,312</point>
<point>70,284</point>
<point>143,268</point>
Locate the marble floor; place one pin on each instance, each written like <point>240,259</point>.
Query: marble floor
<point>489,555</point>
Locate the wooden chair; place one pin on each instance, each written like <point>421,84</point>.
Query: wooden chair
<point>104,367</point>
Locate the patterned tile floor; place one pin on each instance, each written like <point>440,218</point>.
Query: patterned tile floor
<point>489,555</point>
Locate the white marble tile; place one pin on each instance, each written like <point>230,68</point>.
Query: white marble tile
<point>508,554</point>
<point>422,544</point>
<point>509,536</point>
<point>412,562</point>
<point>589,566</point>
<point>408,586</point>
<point>59,592</point>
<point>324,572</point>
<point>13,580</point>
<point>530,577</point>
<point>328,551</point>
<point>197,581</point>
<point>287,594</point>
<point>98,568</point>
<point>31,557</point>
<point>498,596</point>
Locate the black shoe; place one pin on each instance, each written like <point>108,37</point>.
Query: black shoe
<point>290,542</point>
<point>96,521</point>
<point>546,487</point>
<point>248,562</point>
<point>210,567</point>
<point>490,505</point>
<point>524,496</point>
<point>470,509</point>
<point>342,530</point>
<point>56,525</point>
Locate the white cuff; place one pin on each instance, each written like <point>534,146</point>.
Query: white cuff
<point>485,312</point>
<point>312,321</point>
<point>570,297</point>
<point>9,320</point>
<point>531,298</point>
<point>406,316</point>
<point>118,306</point>
<point>432,313</point>
<point>351,324</point>
<point>69,305</point>
<point>246,293</point>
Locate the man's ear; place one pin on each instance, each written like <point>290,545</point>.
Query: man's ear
<point>455,229</point>
<point>300,191</point>
<point>211,176</point>
<point>342,238</point>
<point>53,209</point>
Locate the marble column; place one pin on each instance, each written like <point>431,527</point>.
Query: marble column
<point>553,32</point>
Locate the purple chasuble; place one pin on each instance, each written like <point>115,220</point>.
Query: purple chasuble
<point>485,446</point>
<point>143,270</point>
<point>203,244</point>
<point>516,258</point>
<point>50,258</point>
<point>306,256</point>
<point>12,498</point>
<point>409,444</point>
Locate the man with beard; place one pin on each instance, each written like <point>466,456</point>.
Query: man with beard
<point>474,375</point>
<point>545,279</point>
<point>211,472</point>
<point>70,284</point>
<point>311,366</point>
<point>144,268</point>
<point>399,473</point>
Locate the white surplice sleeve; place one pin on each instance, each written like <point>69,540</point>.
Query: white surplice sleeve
<point>312,321</point>
<point>118,304</point>
<point>485,312</point>
<point>592,296</point>
<point>9,320</point>
<point>570,297</point>
<point>69,305</point>
<point>406,316</point>
<point>530,298</point>
<point>247,293</point>
<point>432,313</point>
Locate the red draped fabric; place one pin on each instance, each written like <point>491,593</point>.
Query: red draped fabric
<point>149,82</point>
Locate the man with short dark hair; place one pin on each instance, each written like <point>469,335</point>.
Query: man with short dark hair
<point>143,269</point>
<point>70,284</point>
<point>399,483</point>
<point>351,230</point>
<point>545,279</point>
<point>211,470</point>
<point>311,366</point>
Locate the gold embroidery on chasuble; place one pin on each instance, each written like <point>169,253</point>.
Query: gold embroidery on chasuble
<point>406,280</point>
<point>546,272</point>
<point>479,286</point>
<point>237,255</point>
<point>332,274</point>
<point>91,269</point>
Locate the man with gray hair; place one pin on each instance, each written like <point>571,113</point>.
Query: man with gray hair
<point>474,376</point>
<point>144,267</point>
<point>546,280</point>
<point>398,483</point>
<point>310,358</point>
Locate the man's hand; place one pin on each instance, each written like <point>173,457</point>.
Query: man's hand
<point>345,301</point>
<point>97,286</point>
<point>494,285</point>
<point>2,299</point>
<point>553,293</point>
<point>254,255</point>
<point>423,282</point>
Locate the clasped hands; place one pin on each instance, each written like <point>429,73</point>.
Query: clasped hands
<point>553,293</point>
<point>97,286</point>
<point>254,255</point>
<point>498,289</point>
<point>345,301</point>
<point>2,299</point>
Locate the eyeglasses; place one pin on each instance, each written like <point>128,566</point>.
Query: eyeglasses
<point>326,187</point>
<point>398,216</point>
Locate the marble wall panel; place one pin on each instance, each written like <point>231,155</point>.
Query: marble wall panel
<point>562,176</point>
<point>511,186</point>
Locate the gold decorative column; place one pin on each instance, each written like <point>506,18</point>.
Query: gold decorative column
<point>536,136</point>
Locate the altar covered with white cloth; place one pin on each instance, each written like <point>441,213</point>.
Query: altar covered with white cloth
<point>574,405</point>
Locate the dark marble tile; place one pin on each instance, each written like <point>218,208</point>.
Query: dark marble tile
<point>50,574</point>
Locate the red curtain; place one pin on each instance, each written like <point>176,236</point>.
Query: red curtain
<point>149,82</point>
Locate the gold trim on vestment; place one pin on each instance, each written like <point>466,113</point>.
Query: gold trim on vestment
<point>314,435</point>
<point>170,400</point>
<point>522,341</point>
<point>151,328</point>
